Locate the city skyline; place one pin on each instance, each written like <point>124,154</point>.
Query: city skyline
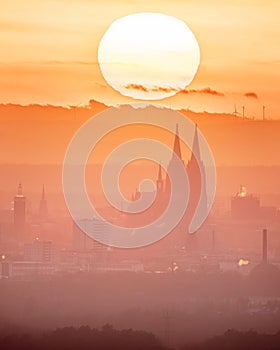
<point>139,174</point>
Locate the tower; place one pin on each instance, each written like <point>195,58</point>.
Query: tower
<point>19,215</point>
<point>43,208</point>
<point>195,169</point>
<point>176,146</point>
<point>195,147</point>
<point>159,180</point>
<point>173,161</point>
<point>196,173</point>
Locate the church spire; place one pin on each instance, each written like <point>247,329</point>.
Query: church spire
<point>195,147</point>
<point>159,172</point>
<point>177,147</point>
<point>43,194</point>
<point>159,179</point>
<point>43,207</point>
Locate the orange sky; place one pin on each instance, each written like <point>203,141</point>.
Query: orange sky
<point>49,52</point>
<point>40,135</point>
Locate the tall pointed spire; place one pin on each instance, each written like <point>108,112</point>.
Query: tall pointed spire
<point>176,157</point>
<point>43,207</point>
<point>43,193</point>
<point>177,147</point>
<point>196,148</point>
<point>197,177</point>
<point>159,179</point>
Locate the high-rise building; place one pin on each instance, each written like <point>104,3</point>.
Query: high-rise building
<point>19,215</point>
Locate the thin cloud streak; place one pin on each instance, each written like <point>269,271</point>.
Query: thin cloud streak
<point>137,87</point>
<point>251,95</point>
<point>207,90</point>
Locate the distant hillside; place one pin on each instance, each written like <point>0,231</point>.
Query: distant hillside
<point>40,134</point>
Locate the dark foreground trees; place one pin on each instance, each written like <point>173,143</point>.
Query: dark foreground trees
<point>233,340</point>
<point>83,338</point>
<point>108,338</point>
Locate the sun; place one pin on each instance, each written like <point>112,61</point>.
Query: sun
<point>148,56</point>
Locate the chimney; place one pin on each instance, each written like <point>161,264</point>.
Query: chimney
<point>264,247</point>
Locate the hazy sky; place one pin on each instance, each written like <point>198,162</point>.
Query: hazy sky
<point>49,52</point>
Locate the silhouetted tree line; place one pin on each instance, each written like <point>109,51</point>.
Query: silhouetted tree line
<point>108,338</point>
<point>235,340</point>
<point>83,338</point>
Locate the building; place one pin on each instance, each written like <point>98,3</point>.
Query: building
<point>245,206</point>
<point>25,270</point>
<point>6,230</point>
<point>100,230</point>
<point>41,251</point>
<point>19,215</point>
<point>195,170</point>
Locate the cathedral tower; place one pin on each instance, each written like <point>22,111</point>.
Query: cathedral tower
<point>43,208</point>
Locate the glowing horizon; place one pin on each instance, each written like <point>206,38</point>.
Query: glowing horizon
<point>49,53</point>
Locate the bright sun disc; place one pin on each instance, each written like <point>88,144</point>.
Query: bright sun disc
<point>148,56</point>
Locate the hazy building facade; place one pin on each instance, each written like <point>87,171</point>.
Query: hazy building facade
<point>19,215</point>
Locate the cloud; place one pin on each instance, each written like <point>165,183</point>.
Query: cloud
<point>251,95</point>
<point>154,89</point>
<point>207,91</point>
<point>163,89</point>
<point>137,87</point>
